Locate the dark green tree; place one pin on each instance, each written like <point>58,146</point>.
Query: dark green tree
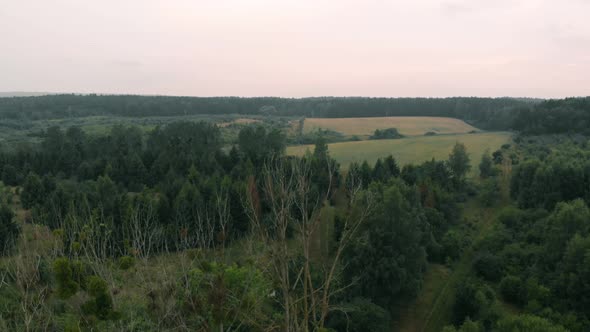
<point>486,166</point>
<point>259,145</point>
<point>459,162</point>
<point>10,175</point>
<point>365,174</point>
<point>64,276</point>
<point>391,166</point>
<point>101,304</point>
<point>33,191</point>
<point>388,260</point>
<point>9,229</point>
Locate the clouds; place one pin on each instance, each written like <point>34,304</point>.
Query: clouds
<point>298,48</point>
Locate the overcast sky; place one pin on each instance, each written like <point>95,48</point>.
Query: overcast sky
<point>297,48</point>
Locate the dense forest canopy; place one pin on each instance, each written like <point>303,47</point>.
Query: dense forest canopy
<point>527,115</point>
<point>570,115</point>
<point>531,116</point>
<point>496,113</point>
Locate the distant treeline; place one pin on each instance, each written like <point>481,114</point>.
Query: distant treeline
<point>530,116</point>
<point>570,115</point>
<point>489,113</point>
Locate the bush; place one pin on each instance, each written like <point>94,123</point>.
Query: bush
<point>215,290</point>
<point>498,157</point>
<point>10,303</point>
<point>126,262</point>
<point>64,276</point>
<point>386,134</point>
<point>101,305</point>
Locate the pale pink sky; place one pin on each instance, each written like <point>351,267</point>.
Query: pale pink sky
<point>297,48</point>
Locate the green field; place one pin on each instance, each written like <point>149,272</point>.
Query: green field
<point>411,149</point>
<point>406,125</point>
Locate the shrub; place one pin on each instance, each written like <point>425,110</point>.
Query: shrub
<point>64,276</point>
<point>126,262</point>
<point>101,305</point>
<point>10,302</point>
<point>216,290</point>
<point>386,134</point>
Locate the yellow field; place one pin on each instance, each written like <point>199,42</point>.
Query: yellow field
<point>238,121</point>
<point>406,125</point>
<point>411,149</point>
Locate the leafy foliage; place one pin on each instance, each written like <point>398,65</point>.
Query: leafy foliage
<point>389,258</point>
<point>360,315</point>
<point>389,133</point>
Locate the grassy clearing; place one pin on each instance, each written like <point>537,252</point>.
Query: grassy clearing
<point>412,149</point>
<point>433,307</point>
<point>240,121</point>
<point>406,125</point>
<point>411,316</point>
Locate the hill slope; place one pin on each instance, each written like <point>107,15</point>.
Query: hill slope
<point>411,149</point>
<point>406,125</point>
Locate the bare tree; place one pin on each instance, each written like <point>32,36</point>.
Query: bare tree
<point>289,194</point>
<point>144,230</point>
<point>25,271</point>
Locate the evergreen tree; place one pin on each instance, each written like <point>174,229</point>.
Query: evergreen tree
<point>391,166</point>
<point>33,191</point>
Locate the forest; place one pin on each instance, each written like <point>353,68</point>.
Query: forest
<point>178,228</point>
<point>487,113</point>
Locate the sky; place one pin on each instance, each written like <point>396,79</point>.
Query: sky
<point>297,48</point>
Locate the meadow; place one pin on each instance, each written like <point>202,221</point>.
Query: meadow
<point>411,149</point>
<point>406,125</point>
